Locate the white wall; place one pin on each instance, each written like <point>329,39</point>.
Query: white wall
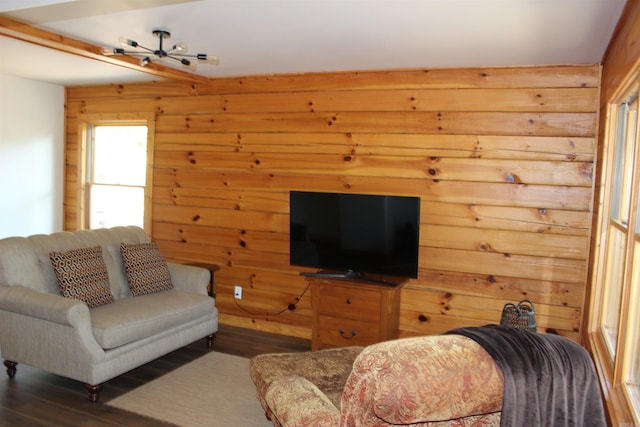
<point>31,156</point>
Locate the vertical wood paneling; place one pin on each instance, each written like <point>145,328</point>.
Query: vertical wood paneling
<point>502,159</point>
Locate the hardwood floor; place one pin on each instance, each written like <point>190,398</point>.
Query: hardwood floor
<point>36,398</point>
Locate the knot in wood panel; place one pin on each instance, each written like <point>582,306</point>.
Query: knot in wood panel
<point>485,247</point>
<point>512,178</point>
<point>587,171</point>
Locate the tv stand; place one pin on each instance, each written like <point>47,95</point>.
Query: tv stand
<point>353,310</point>
<point>352,275</point>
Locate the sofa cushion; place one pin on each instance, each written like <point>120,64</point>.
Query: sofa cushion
<point>82,274</point>
<point>147,271</point>
<point>327,369</point>
<point>132,319</point>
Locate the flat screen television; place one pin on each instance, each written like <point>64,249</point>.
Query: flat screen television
<point>354,234</point>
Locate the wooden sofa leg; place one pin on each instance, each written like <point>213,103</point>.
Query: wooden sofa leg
<point>94,392</point>
<point>210,339</point>
<point>11,368</point>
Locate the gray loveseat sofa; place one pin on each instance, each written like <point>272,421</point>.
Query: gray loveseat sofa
<point>65,336</point>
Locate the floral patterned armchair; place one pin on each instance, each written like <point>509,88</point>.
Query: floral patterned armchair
<point>443,380</point>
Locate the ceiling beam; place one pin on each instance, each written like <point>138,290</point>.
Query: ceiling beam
<point>30,34</point>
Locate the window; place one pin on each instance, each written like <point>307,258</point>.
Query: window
<point>116,174</point>
<point>614,323</point>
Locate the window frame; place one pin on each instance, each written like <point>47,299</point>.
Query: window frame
<point>86,122</point>
<point>612,369</point>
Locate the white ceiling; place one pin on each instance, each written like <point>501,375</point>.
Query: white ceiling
<point>254,37</point>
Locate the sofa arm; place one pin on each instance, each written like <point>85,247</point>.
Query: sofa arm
<point>423,379</point>
<point>40,305</point>
<point>189,278</point>
<point>48,331</point>
<point>295,401</point>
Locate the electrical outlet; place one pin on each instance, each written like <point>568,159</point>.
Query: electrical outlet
<point>237,292</point>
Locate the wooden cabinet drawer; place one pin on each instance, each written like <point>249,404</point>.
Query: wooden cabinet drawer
<point>348,313</point>
<point>350,303</point>
<point>341,332</point>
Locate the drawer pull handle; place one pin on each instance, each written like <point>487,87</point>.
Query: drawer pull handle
<point>349,301</point>
<point>353,334</point>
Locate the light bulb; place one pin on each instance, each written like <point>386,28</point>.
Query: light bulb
<point>191,65</point>
<point>113,51</point>
<point>128,42</point>
<point>208,59</point>
<point>179,48</point>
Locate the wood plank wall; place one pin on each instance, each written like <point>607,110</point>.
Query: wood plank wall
<point>502,159</point>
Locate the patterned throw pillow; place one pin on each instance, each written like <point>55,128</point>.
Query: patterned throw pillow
<point>147,271</point>
<point>82,274</point>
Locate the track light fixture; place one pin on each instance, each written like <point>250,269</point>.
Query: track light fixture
<point>178,52</point>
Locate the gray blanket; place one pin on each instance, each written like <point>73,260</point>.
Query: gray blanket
<point>549,380</point>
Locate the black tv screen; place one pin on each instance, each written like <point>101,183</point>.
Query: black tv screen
<point>355,233</point>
